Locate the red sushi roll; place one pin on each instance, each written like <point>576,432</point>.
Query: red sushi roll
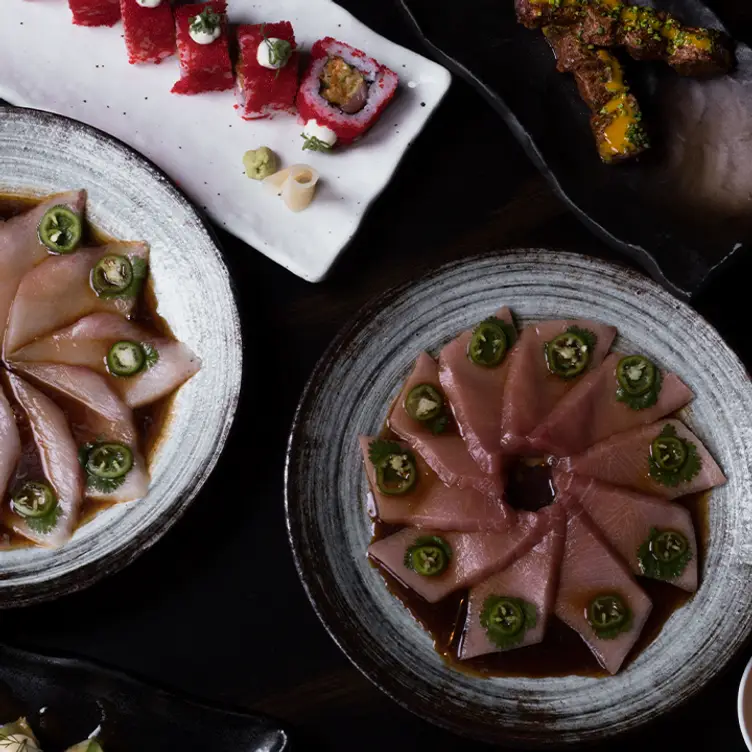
<point>202,48</point>
<point>267,70</point>
<point>95,12</point>
<point>342,94</point>
<point>149,30</point>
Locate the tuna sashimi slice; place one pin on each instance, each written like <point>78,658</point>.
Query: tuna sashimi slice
<point>589,569</point>
<point>534,578</point>
<point>432,504</point>
<point>21,250</point>
<point>96,414</point>
<point>475,394</point>
<point>10,443</point>
<point>532,391</point>
<point>59,292</point>
<point>59,462</point>
<point>627,520</point>
<point>591,411</point>
<point>624,460</point>
<point>446,454</point>
<point>474,557</point>
<point>87,342</point>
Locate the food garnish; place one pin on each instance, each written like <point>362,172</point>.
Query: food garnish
<point>569,354</point>
<point>260,163</point>
<point>126,358</point>
<point>664,555</point>
<point>490,342</point>
<point>273,53</point>
<point>428,556</point>
<point>60,230</point>
<point>106,464</point>
<point>115,276</point>
<point>396,471</point>
<point>609,616</point>
<point>427,404</point>
<point>673,460</point>
<point>638,382</point>
<point>205,27</point>
<point>507,619</point>
<point>34,499</point>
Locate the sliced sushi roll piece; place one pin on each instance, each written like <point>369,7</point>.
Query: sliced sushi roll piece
<point>63,289</point>
<point>46,497</point>
<point>140,367</point>
<point>510,609</point>
<point>102,426</point>
<point>149,30</point>
<point>421,417</point>
<point>21,246</point>
<point>202,48</point>
<point>547,363</point>
<point>95,12</point>
<point>626,391</point>
<point>267,71</point>
<point>655,537</point>
<point>598,597</point>
<point>663,459</point>
<point>435,563</point>
<point>10,443</point>
<point>472,371</point>
<point>342,94</point>
<point>407,492</point>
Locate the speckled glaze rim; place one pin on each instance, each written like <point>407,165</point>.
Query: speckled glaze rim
<point>550,712</point>
<point>118,553</point>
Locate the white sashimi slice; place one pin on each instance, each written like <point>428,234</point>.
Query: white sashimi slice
<point>10,444</point>
<point>446,453</point>
<point>476,394</point>
<point>590,569</point>
<point>21,250</point>
<point>58,292</point>
<point>87,342</point>
<point>473,556</point>
<point>624,460</point>
<point>97,414</point>
<point>628,521</point>
<point>533,578</point>
<point>59,457</point>
<point>431,504</point>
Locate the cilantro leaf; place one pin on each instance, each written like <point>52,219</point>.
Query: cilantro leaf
<point>589,337</point>
<point>44,525</point>
<point>152,355</point>
<point>689,470</point>
<point>651,566</point>
<point>379,450</point>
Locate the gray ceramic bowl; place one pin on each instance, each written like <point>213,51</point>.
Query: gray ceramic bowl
<point>329,526</point>
<point>131,199</point>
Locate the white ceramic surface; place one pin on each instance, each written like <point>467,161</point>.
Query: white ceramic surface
<point>47,63</point>
<point>744,705</point>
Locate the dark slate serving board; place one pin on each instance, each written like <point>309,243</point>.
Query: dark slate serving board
<point>636,208</point>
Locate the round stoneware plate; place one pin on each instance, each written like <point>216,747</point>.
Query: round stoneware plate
<point>130,199</point>
<point>329,526</point>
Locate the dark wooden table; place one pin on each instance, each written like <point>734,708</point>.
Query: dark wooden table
<point>216,608</point>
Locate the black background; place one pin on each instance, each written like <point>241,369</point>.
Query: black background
<point>216,608</point>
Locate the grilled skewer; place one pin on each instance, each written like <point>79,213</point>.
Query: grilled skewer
<point>616,121</point>
<point>646,34</point>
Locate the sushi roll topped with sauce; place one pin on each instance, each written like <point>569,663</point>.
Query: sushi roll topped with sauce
<point>342,94</point>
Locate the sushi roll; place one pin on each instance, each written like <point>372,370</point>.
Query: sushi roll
<point>342,94</point>
<point>95,12</point>
<point>149,30</point>
<point>267,70</point>
<point>202,48</point>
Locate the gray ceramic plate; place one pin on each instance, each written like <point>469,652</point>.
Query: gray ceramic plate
<point>130,199</point>
<point>329,526</point>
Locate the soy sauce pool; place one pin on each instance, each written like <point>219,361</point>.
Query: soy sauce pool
<point>152,421</point>
<point>562,652</point>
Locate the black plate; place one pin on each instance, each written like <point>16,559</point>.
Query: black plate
<point>642,210</point>
<point>77,697</point>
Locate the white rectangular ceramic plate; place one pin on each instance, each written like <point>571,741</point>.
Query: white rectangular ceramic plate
<point>81,72</point>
